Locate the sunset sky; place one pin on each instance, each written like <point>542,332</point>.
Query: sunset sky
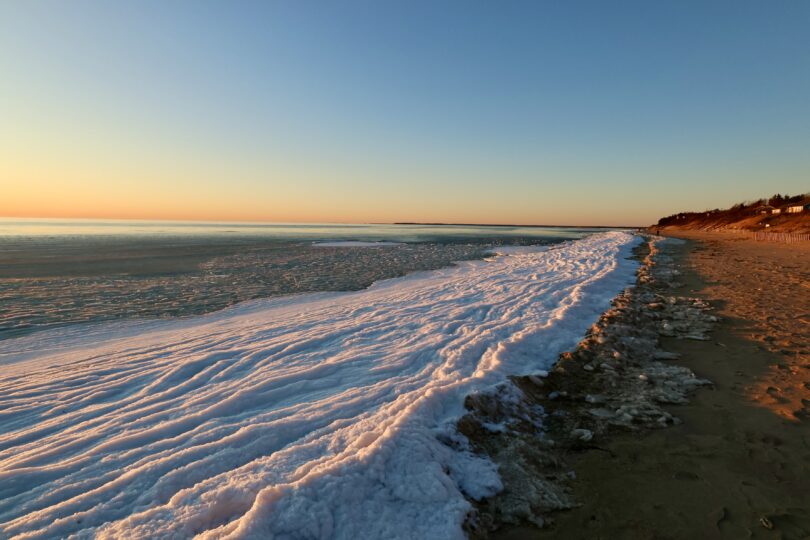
<point>612,113</point>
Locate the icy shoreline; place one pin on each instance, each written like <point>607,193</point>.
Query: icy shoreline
<point>313,417</point>
<point>617,379</point>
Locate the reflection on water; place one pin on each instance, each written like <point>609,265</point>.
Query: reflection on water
<point>57,272</point>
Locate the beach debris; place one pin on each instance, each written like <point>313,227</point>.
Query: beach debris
<point>602,413</point>
<point>664,355</point>
<point>584,435</point>
<point>535,380</point>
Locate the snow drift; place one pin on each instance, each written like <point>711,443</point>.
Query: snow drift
<point>317,416</point>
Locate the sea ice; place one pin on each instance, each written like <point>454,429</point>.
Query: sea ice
<point>356,243</point>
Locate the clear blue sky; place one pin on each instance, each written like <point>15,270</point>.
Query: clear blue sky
<point>531,112</point>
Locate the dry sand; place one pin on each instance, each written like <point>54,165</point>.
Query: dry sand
<point>739,464</point>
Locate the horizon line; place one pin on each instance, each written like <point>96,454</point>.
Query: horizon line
<point>258,221</point>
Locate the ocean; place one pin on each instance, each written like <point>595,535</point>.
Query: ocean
<point>60,272</point>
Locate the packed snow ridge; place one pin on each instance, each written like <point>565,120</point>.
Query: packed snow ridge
<point>315,416</point>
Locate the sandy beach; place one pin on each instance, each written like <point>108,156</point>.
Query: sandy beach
<point>737,465</point>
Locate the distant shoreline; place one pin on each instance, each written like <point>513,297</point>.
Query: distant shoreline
<point>439,224</point>
<point>260,223</point>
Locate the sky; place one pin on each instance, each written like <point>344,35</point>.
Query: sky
<point>534,112</point>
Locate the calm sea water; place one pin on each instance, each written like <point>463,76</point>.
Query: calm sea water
<point>57,272</point>
<point>66,228</point>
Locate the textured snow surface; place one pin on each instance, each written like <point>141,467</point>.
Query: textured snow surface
<point>317,416</point>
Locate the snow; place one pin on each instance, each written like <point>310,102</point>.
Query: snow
<point>315,416</point>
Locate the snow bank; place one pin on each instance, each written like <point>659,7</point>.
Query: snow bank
<point>319,416</point>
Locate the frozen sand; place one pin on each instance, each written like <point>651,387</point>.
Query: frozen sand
<point>302,417</point>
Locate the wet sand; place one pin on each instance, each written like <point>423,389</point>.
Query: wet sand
<point>738,466</point>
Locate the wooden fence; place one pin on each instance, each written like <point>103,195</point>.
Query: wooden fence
<point>790,238</point>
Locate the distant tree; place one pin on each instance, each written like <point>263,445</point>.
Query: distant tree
<point>794,199</point>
